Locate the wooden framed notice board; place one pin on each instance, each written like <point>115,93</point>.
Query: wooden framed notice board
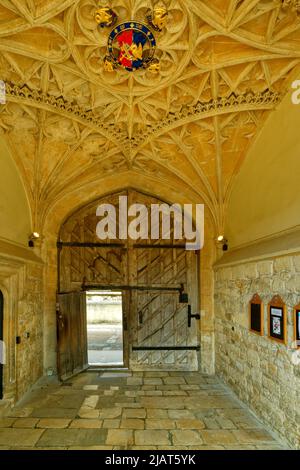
<point>256,317</point>
<point>277,320</point>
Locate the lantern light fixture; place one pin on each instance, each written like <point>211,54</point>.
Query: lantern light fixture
<point>34,236</point>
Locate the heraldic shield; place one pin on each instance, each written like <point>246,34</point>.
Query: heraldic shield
<point>132,46</point>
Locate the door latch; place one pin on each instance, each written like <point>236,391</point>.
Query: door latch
<point>196,316</point>
<point>183,296</point>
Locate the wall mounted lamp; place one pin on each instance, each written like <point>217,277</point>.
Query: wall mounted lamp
<point>32,238</point>
<point>223,241</point>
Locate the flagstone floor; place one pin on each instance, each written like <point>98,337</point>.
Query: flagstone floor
<point>144,410</point>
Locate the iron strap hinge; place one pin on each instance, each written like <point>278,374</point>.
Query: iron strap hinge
<point>196,316</point>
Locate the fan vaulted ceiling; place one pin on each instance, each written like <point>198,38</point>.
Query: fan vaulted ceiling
<point>224,67</point>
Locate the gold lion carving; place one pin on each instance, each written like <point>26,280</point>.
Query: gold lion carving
<point>105,17</point>
<point>158,17</point>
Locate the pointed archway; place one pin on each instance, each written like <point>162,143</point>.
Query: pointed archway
<point>150,275</point>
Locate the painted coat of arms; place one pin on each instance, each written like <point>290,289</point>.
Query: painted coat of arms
<point>132,46</point>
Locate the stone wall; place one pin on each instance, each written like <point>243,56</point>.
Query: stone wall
<point>21,282</point>
<point>30,322</point>
<point>258,369</point>
<point>104,308</point>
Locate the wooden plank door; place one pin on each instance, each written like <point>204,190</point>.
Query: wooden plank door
<point>71,334</point>
<point>159,320</point>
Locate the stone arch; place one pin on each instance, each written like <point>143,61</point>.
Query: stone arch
<point>149,273</point>
<point>61,209</point>
<point>61,212</point>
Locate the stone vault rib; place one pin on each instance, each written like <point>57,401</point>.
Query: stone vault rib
<point>201,110</point>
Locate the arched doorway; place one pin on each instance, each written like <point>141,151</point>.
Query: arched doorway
<point>1,343</point>
<point>157,331</point>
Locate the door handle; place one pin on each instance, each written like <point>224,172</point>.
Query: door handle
<point>196,316</point>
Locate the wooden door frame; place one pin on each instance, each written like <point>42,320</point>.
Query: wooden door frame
<point>126,302</point>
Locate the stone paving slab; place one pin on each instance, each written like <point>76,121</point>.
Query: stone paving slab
<point>26,423</point>
<point>253,436</point>
<point>111,423</point>
<point>86,423</point>
<point>132,423</point>
<point>134,413</point>
<point>7,422</point>
<point>160,424</point>
<point>88,413</point>
<point>152,437</point>
<point>120,437</point>
<point>21,412</point>
<point>211,423</point>
<point>189,424</point>
<point>54,413</point>
<point>174,381</point>
<point>65,401</point>
<point>72,437</point>
<point>180,414</point>
<point>54,423</point>
<point>210,402</point>
<point>156,374</point>
<point>110,413</point>
<point>163,403</point>
<point>154,413</point>
<point>219,436</point>
<point>13,437</point>
<point>187,437</point>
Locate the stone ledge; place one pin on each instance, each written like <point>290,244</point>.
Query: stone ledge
<point>279,245</point>
<point>17,252</point>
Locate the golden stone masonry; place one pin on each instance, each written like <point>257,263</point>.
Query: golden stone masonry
<point>132,343</point>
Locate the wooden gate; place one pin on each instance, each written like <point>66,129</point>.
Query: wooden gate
<point>157,335</point>
<point>161,337</point>
<point>72,334</point>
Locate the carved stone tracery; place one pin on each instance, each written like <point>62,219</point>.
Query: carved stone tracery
<point>224,66</point>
